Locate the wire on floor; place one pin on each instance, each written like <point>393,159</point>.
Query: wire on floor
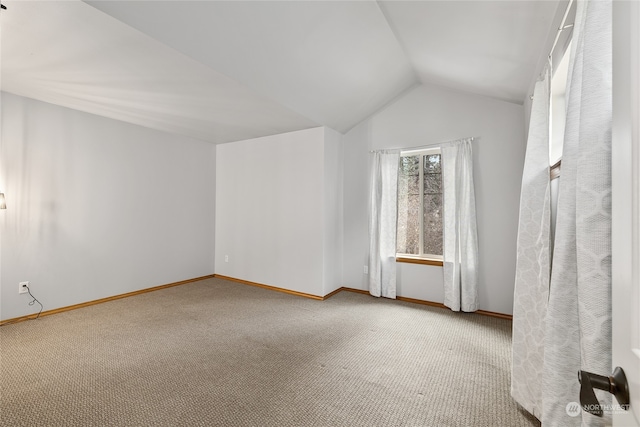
<point>35,300</point>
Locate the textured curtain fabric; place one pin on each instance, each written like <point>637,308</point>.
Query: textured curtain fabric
<point>382,224</point>
<point>533,268</point>
<point>460,257</point>
<point>578,322</point>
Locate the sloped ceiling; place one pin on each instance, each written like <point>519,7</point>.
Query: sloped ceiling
<point>489,48</point>
<point>70,54</point>
<point>230,70</point>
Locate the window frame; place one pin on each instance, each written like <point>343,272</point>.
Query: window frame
<point>421,258</point>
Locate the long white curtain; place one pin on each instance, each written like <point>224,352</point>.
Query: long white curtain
<point>578,321</point>
<point>460,257</point>
<point>383,215</point>
<point>533,268</point>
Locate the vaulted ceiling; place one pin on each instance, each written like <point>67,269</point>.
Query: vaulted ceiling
<point>225,71</point>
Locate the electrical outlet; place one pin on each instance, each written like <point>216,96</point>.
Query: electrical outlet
<point>23,287</point>
<point>226,258</point>
<point>366,269</point>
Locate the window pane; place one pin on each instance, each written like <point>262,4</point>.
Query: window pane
<point>409,165</point>
<point>432,183</point>
<point>433,224</point>
<point>409,225</point>
<point>408,231</point>
<point>432,205</point>
<point>409,184</point>
<point>409,175</point>
<point>432,163</point>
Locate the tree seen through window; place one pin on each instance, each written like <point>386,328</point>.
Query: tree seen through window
<point>419,228</point>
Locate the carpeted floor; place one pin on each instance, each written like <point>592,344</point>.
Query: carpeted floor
<point>218,353</point>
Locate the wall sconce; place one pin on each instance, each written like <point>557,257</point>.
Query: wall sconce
<point>3,205</point>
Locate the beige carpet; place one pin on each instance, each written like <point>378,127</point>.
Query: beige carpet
<point>217,353</point>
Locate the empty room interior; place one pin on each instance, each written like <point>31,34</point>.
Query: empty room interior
<point>319,213</point>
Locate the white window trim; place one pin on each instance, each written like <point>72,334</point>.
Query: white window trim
<point>421,153</point>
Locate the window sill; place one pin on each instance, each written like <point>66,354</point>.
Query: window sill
<point>425,261</point>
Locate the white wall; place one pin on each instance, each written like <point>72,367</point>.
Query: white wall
<point>97,207</point>
<point>333,207</point>
<point>278,210</point>
<point>425,115</point>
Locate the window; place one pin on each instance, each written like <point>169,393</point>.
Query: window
<point>419,228</point>
<point>558,108</point>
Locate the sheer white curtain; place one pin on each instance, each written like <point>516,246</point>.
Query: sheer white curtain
<point>533,268</point>
<point>578,321</point>
<point>460,249</point>
<point>383,215</point>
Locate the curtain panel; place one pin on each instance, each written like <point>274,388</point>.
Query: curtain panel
<point>460,246</point>
<point>533,268</point>
<point>578,321</point>
<point>383,215</point>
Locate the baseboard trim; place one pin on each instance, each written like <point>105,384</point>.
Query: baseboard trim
<point>329,295</point>
<point>435,304</point>
<point>354,290</point>
<point>494,314</point>
<point>102,300</point>
<point>275,288</point>
<point>245,282</point>
<point>422,302</point>
<point>364,292</point>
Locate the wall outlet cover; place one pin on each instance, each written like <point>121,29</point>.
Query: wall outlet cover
<point>23,287</point>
